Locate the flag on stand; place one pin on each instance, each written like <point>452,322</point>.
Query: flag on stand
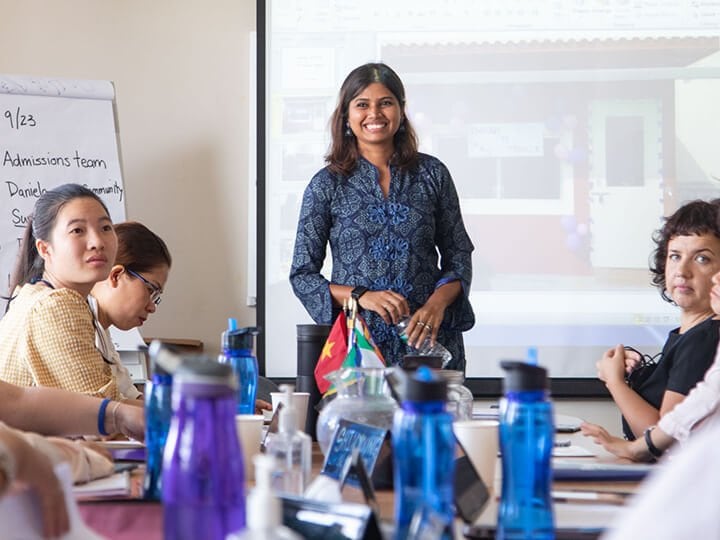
<point>348,345</point>
<point>333,353</point>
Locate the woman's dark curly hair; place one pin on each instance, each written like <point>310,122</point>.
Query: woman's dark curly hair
<point>693,218</point>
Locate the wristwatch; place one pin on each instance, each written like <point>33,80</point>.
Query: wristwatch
<point>357,292</point>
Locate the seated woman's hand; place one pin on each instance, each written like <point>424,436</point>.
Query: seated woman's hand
<point>614,445</point>
<point>130,421</point>
<point>611,367</point>
<point>262,405</point>
<point>632,360</point>
<point>36,470</point>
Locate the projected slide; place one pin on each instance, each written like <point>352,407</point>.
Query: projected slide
<point>570,129</point>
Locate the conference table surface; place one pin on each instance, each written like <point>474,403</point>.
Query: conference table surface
<point>132,518</point>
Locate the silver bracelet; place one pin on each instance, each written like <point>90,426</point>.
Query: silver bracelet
<point>7,466</point>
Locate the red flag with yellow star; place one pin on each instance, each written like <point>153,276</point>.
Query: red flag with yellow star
<point>333,354</point>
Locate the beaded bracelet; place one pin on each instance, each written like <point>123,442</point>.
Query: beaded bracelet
<point>101,417</point>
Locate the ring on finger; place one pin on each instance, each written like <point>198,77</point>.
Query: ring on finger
<point>428,326</point>
<point>420,323</point>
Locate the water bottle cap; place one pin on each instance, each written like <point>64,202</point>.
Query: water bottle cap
<point>239,338</point>
<point>522,377</point>
<point>424,385</point>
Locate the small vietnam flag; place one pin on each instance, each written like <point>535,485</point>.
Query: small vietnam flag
<point>333,353</point>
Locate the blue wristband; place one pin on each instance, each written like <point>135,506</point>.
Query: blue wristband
<point>101,416</point>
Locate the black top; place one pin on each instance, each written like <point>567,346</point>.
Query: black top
<point>684,360</point>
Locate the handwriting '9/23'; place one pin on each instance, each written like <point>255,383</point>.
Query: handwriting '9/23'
<point>19,119</point>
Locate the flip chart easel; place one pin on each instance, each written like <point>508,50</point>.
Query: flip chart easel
<point>54,131</point>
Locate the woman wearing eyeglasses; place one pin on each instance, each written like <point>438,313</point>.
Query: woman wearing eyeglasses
<point>131,293</point>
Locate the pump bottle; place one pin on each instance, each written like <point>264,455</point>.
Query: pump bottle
<point>291,449</point>
<point>264,508</point>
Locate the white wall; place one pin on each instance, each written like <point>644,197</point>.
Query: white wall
<point>180,68</point>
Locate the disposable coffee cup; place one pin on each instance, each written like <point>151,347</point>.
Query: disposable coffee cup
<point>479,438</point>
<point>300,403</point>
<point>249,430</point>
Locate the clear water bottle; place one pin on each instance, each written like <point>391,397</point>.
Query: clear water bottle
<point>237,346</point>
<point>526,443</point>
<point>158,412</point>
<point>425,348</point>
<point>459,397</point>
<point>203,491</point>
<point>423,458</point>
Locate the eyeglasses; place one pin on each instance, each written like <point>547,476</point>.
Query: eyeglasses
<point>154,290</point>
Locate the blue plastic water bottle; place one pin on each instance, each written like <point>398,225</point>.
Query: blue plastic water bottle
<point>203,491</point>
<point>526,443</point>
<point>158,412</point>
<point>423,458</point>
<point>237,346</point>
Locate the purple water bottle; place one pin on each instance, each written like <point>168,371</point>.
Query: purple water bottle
<point>203,480</point>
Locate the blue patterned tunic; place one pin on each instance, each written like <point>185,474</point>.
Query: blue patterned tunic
<point>385,244</point>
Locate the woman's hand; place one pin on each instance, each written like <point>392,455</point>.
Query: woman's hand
<point>390,305</point>
<point>262,405</point>
<point>611,367</point>
<point>615,445</point>
<point>632,360</point>
<point>425,322</point>
<point>130,420</point>
<point>36,471</point>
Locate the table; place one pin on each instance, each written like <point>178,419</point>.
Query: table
<point>130,519</point>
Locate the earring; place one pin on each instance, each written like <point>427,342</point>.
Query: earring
<point>348,131</point>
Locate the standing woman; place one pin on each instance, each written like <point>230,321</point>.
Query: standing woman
<point>387,211</point>
<point>47,336</point>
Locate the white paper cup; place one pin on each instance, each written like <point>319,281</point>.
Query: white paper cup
<point>479,438</point>
<point>249,429</point>
<point>300,402</point>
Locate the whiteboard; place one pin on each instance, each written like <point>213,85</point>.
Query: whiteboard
<point>52,132</point>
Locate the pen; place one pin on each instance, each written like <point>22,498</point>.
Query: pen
<point>592,497</point>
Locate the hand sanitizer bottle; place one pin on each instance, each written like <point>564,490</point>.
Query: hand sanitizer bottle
<point>264,509</point>
<point>291,449</point>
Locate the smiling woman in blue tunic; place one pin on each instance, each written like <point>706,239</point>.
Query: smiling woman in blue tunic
<point>392,218</point>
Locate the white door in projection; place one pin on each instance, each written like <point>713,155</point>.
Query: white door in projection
<point>625,174</point>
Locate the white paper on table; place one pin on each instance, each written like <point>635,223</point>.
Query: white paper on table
<point>130,444</point>
<point>573,450</point>
<point>20,514</point>
<point>114,485</point>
